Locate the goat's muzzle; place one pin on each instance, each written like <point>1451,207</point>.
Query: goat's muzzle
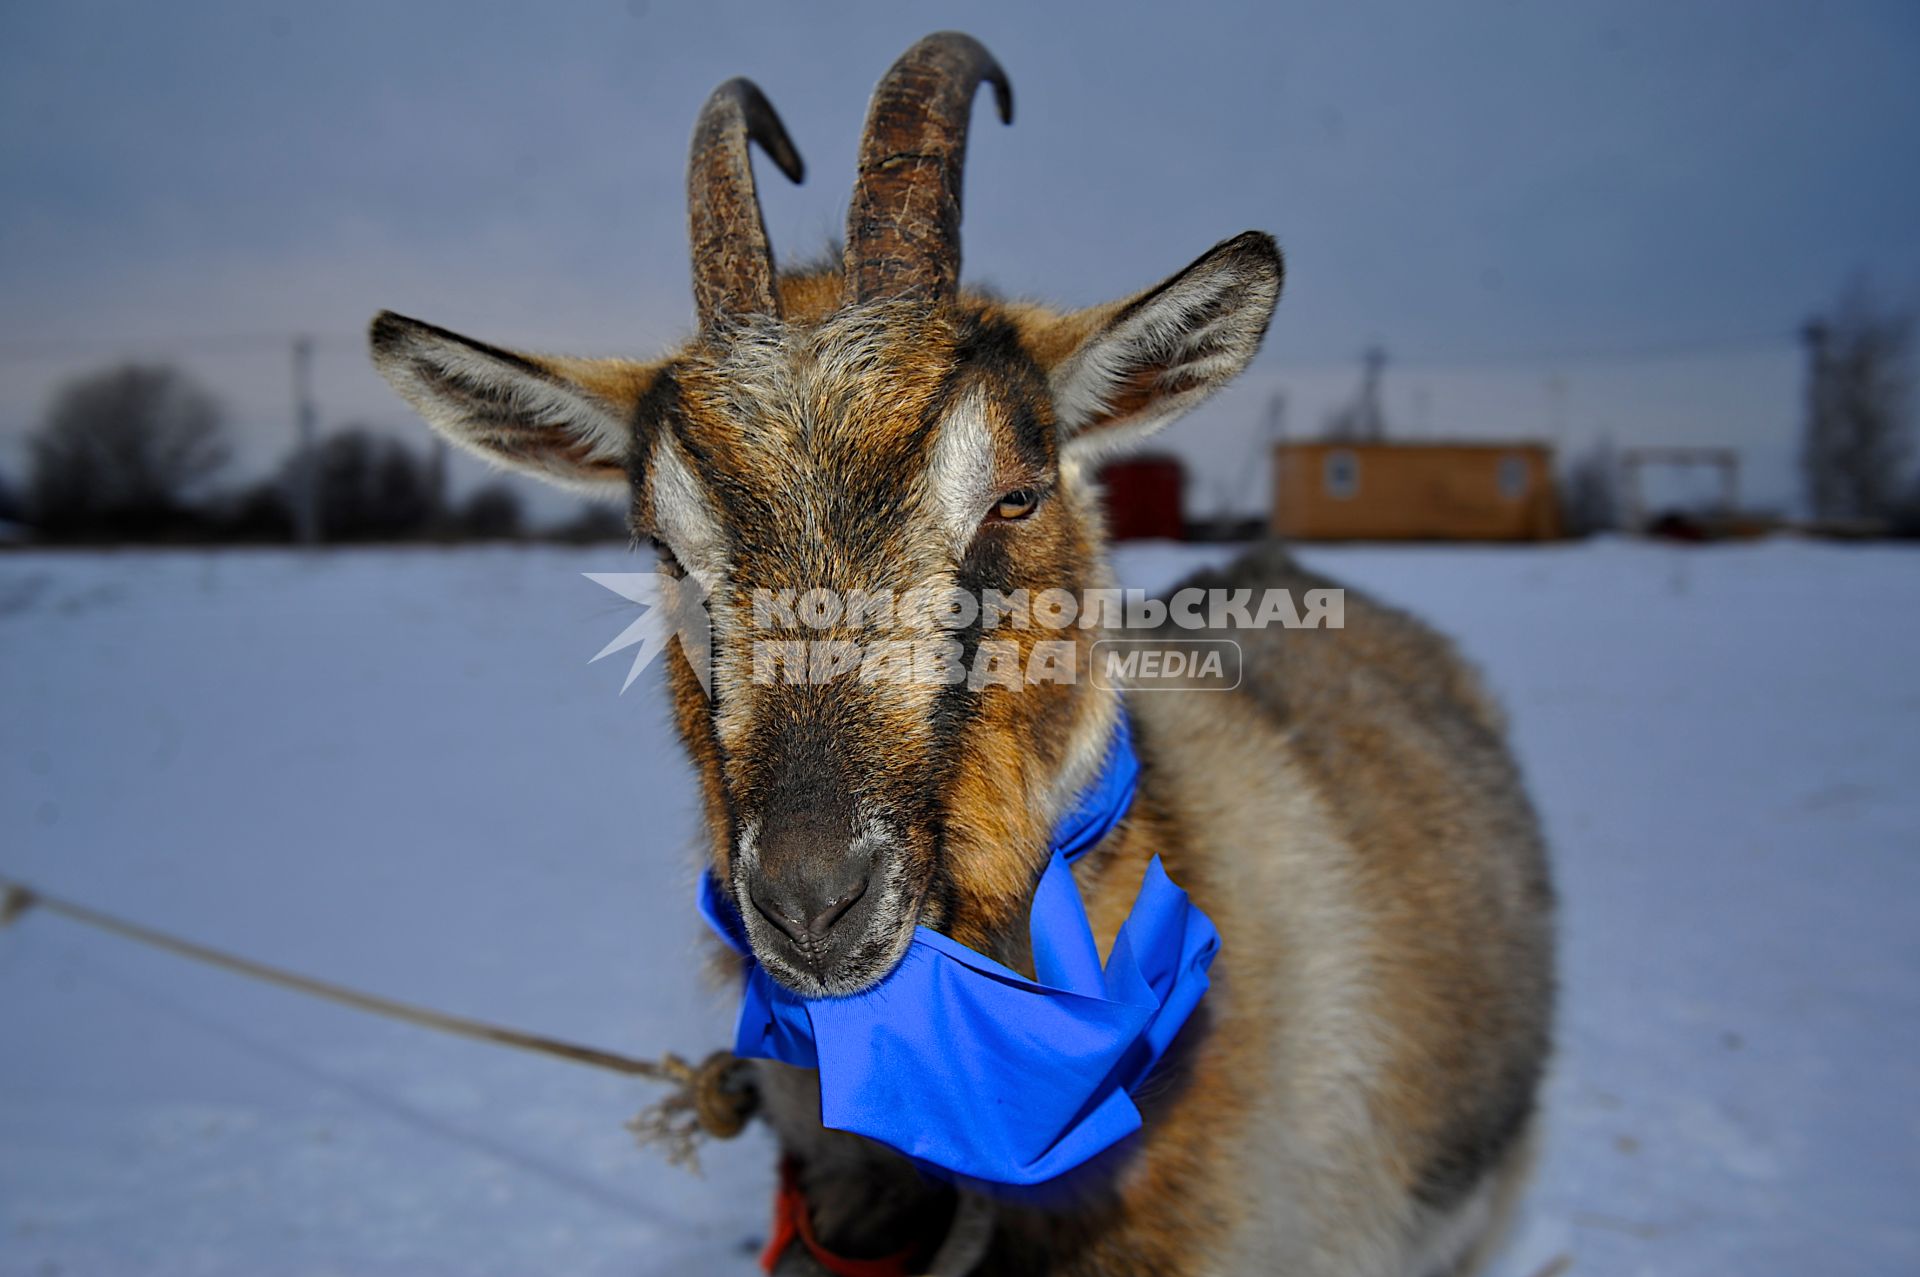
<point>816,884</point>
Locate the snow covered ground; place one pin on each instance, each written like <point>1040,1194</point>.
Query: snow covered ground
<point>396,769</point>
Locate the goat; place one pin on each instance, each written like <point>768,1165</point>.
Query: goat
<point>1357,1093</point>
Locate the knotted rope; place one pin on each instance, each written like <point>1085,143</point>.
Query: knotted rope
<point>715,1100</point>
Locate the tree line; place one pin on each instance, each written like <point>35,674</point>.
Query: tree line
<point>142,453</point>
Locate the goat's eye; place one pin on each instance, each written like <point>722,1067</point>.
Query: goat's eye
<point>668,559</point>
<point>1016,505</point>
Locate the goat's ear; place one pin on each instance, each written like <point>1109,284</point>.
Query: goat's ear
<point>569,421</point>
<point>1119,372</point>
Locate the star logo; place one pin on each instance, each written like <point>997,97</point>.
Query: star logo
<point>671,608</point>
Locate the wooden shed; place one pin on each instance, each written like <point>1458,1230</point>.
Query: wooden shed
<point>1332,491</point>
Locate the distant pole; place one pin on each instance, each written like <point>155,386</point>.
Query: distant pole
<point>306,468</point>
<point>1275,436</point>
<point>1372,426</point>
<point>1276,417</point>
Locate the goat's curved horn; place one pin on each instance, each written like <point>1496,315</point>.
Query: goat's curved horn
<point>732,260</point>
<point>903,228</point>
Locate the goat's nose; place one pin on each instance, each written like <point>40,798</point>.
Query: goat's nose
<point>811,867</point>
<point>809,874</point>
<point>806,914</point>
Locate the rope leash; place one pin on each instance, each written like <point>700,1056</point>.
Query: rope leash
<point>713,1099</point>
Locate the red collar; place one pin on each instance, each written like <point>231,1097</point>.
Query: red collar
<point>792,1222</point>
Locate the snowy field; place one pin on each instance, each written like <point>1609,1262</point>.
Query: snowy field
<point>397,770</point>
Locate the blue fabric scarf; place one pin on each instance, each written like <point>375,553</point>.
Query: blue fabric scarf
<point>968,1067</point>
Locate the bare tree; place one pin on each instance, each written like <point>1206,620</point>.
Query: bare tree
<point>1859,408</point>
<point>124,451</point>
<point>259,512</point>
<point>371,487</point>
<point>595,522</point>
<point>492,513</point>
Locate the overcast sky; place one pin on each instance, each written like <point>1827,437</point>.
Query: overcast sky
<point>1558,219</point>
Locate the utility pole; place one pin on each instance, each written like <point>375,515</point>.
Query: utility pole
<point>1276,435</point>
<point>1557,387</point>
<point>305,494</point>
<point>1371,423</point>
